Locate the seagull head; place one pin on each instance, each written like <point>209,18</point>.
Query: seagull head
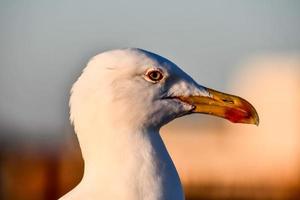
<point>143,89</point>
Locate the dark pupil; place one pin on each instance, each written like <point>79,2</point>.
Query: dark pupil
<point>155,75</point>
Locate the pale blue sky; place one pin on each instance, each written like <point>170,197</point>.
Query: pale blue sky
<point>45,44</point>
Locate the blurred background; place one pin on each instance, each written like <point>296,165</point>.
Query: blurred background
<point>249,48</point>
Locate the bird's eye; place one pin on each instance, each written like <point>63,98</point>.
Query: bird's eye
<point>154,75</point>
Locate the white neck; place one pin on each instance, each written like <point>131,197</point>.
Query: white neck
<point>128,164</point>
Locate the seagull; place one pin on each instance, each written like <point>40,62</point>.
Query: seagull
<point>118,105</point>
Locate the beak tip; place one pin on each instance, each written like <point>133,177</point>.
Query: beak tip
<point>255,116</point>
<point>257,120</point>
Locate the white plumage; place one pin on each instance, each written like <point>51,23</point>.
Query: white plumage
<point>118,105</point>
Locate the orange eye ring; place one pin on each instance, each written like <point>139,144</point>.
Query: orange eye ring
<point>154,75</point>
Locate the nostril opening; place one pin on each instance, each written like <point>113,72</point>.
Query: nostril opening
<point>228,101</point>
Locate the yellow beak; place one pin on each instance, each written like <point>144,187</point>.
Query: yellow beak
<point>233,108</point>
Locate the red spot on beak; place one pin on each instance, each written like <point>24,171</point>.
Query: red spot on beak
<point>236,115</point>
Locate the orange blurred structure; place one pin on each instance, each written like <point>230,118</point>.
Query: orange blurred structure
<point>243,162</point>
